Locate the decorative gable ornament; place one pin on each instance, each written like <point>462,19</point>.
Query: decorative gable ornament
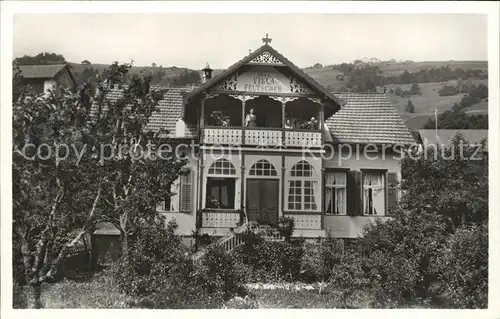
<point>266,58</point>
<point>263,79</point>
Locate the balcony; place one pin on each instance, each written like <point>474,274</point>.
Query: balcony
<point>261,137</point>
<point>219,218</point>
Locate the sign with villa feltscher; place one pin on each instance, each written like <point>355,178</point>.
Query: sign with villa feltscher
<point>263,80</point>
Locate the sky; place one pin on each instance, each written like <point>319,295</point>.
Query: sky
<point>191,40</point>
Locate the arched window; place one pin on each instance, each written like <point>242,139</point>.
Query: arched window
<point>263,168</point>
<point>221,185</point>
<point>302,186</point>
<point>222,167</point>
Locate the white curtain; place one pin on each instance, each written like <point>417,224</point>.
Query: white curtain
<point>335,178</point>
<point>224,196</point>
<point>328,199</point>
<point>335,183</point>
<point>372,179</point>
<point>339,200</point>
<point>315,191</point>
<point>373,194</point>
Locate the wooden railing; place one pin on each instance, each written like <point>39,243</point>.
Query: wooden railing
<point>234,240</point>
<point>306,221</point>
<point>228,243</point>
<point>220,218</point>
<point>302,138</point>
<point>226,135</point>
<point>262,136</point>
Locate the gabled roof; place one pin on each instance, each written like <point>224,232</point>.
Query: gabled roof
<point>367,118</point>
<point>168,112</point>
<point>446,136</point>
<point>43,71</point>
<point>266,47</point>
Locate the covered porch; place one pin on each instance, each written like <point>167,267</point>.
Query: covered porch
<point>230,119</point>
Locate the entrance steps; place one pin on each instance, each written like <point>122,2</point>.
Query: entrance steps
<point>233,240</point>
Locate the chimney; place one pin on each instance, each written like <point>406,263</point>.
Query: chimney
<point>207,73</point>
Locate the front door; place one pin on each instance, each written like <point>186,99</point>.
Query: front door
<point>262,198</point>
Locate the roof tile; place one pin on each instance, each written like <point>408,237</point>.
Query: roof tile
<point>168,111</point>
<point>41,71</point>
<point>367,118</point>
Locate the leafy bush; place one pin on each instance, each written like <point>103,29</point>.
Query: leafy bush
<point>447,90</point>
<point>319,259</point>
<point>463,272</point>
<point>268,261</point>
<point>154,256</point>
<point>347,278</point>
<point>468,101</point>
<point>397,257</point>
<point>162,275</point>
<point>285,226</point>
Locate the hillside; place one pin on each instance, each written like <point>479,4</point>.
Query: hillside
<point>78,68</point>
<point>425,104</point>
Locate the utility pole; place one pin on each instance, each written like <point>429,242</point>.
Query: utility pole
<point>436,120</point>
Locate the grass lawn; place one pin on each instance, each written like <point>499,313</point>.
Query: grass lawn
<point>295,298</point>
<point>100,292</point>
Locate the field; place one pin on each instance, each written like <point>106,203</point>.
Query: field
<point>398,68</point>
<point>78,68</point>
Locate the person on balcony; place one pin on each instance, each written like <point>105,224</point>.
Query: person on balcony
<point>288,124</point>
<point>251,119</point>
<point>312,124</point>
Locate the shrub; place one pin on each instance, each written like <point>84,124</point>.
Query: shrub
<point>463,272</point>
<point>268,260</point>
<point>468,101</point>
<point>348,278</point>
<point>447,90</point>
<point>397,257</point>
<point>154,256</point>
<point>162,275</point>
<point>319,259</point>
<point>285,226</point>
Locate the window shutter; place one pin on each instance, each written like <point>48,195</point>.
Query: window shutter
<point>186,192</point>
<point>354,193</point>
<point>392,189</point>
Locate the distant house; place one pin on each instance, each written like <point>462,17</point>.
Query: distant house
<point>42,78</point>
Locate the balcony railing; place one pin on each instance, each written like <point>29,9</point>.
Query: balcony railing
<point>302,138</point>
<point>264,136</point>
<point>224,135</point>
<point>223,218</point>
<point>306,221</point>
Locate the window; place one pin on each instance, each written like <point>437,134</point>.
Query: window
<point>221,185</point>
<point>263,168</point>
<point>180,197</point>
<point>301,188</point>
<point>171,202</point>
<point>220,193</point>
<point>222,167</point>
<point>373,194</point>
<point>335,193</point>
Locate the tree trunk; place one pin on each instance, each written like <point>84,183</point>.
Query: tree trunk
<point>34,296</point>
<point>125,253</point>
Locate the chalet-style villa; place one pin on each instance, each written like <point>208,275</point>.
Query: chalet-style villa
<point>260,130</point>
